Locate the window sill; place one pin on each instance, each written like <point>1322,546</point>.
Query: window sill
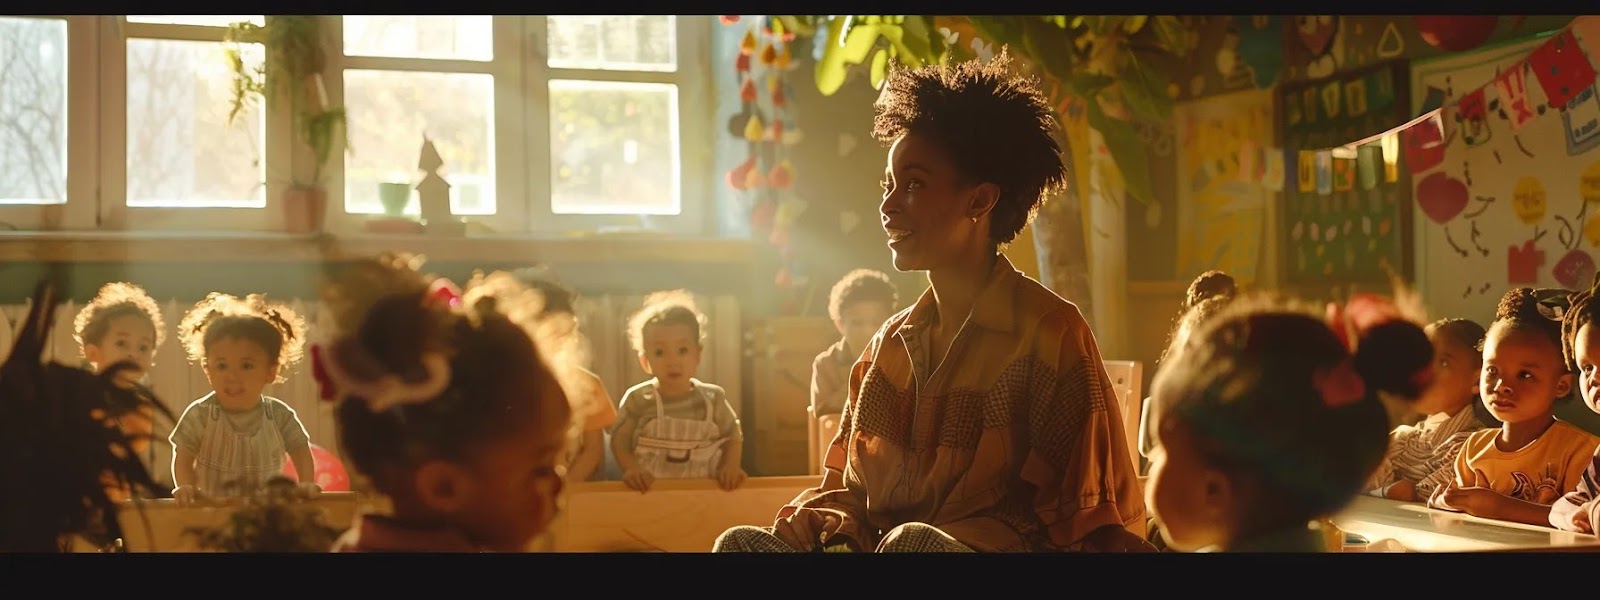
<point>212,247</point>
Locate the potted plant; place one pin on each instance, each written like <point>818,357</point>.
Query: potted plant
<point>60,446</point>
<point>295,58</point>
<point>272,518</point>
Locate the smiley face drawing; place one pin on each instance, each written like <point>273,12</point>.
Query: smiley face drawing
<point>1527,200</point>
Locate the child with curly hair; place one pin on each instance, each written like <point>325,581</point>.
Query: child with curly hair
<point>233,440</point>
<point>1269,419</point>
<point>123,325</point>
<point>674,425</point>
<point>1516,471</point>
<point>1576,510</point>
<point>450,402</point>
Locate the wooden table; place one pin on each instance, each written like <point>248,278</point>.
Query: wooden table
<point>1422,529</point>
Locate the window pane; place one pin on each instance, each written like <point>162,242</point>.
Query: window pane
<point>614,42</point>
<point>206,20</point>
<point>33,111</point>
<point>182,152</point>
<point>613,147</point>
<point>389,112</point>
<point>433,36</point>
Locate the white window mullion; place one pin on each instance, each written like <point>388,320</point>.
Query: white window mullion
<point>83,122</point>
<point>510,145</point>
<point>113,103</point>
<point>537,115</point>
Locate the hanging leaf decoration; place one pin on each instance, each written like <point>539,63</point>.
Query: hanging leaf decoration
<point>1123,63</point>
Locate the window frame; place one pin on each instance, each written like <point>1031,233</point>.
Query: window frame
<point>97,152</point>
<point>113,210</point>
<point>77,210</point>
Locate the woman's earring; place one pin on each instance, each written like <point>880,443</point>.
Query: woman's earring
<point>974,219</point>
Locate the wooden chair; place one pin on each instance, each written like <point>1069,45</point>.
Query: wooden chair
<point>1127,378</point>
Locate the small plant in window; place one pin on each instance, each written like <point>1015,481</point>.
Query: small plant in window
<point>293,70</point>
<point>273,518</point>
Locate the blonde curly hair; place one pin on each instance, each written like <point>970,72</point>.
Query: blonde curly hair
<point>117,299</point>
<point>668,307</point>
<point>277,328</point>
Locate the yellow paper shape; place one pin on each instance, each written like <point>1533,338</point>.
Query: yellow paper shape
<point>753,129</point>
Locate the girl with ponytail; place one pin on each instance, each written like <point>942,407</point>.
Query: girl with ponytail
<point>1271,416</point>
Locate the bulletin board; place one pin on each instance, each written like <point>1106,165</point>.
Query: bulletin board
<point>1224,189</point>
<point>1345,220</point>
<point>1504,205</point>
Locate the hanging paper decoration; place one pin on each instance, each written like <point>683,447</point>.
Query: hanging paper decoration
<point>765,180</point>
<point>1456,33</point>
<point>1582,121</point>
<point>1561,68</point>
<point>1424,145</point>
<point>1324,162</point>
<point>1513,87</point>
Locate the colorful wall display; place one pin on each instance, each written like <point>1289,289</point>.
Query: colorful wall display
<point>1224,184</point>
<point>1510,195</point>
<point>1346,210</point>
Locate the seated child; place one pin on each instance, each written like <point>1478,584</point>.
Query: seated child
<point>123,325</point>
<point>858,304</point>
<point>1207,295</point>
<point>447,404</point>
<point>1266,422</point>
<point>232,440</point>
<point>598,413</point>
<point>1576,511</point>
<point>1515,472</point>
<point>1423,456</point>
<point>673,425</point>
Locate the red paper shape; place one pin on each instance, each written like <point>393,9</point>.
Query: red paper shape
<point>742,64</point>
<point>1472,106</point>
<point>1561,68</point>
<point>1513,87</point>
<point>1455,33</point>
<point>747,92</point>
<point>1522,264</point>
<point>1441,197</point>
<point>327,470</point>
<point>1423,145</point>
<point>762,215</point>
<point>1575,271</point>
<point>740,175</point>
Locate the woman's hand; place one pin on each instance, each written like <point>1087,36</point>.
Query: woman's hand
<point>308,490</point>
<point>807,529</point>
<point>638,478</point>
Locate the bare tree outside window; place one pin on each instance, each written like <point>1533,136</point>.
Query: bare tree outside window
<point>33,111</point>
<point>181,150</point>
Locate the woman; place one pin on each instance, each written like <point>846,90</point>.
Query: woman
<point>980,418</point>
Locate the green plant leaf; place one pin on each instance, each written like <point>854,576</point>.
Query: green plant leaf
<point>880,68</point>
<point>834,66</point>
<point>1170,33</point>
<point>1127,150</point>
<point>1086,85</point>
<point>1050,47</point>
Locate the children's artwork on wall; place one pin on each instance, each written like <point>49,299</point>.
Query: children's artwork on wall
<point>1222,200</point>
<point>1339,226</point>
<point>1512,196</point>
<point>1152,228</point>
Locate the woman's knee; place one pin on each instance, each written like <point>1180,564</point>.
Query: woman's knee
<point>919,537</point>
<point>749,538</point>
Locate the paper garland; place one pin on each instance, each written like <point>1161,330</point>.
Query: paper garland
<point>1563,81</point>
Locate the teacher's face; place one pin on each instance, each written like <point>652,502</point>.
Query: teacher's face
<point>927,211</point>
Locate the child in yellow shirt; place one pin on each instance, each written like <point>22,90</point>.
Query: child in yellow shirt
<point>1515,472</point>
